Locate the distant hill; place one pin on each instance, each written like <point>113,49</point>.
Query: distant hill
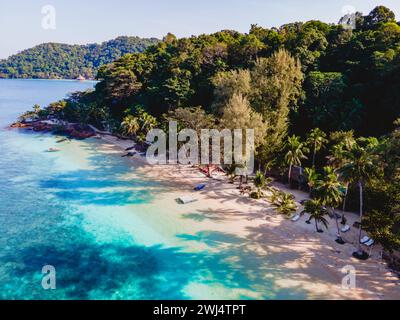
<point>63,61</point>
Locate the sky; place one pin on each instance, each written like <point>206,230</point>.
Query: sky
<point>89,21</point>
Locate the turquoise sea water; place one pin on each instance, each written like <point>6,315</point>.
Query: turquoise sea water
<point>82,211</point>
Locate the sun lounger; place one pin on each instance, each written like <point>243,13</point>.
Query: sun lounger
<point>186,200</point>
<point>296,218</point>
<point>345,229</point>
<point>370,243</point>
<point>364,240</point>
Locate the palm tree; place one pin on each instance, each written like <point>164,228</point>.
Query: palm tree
<point>231,172</point>
<point>316,140</point>
<point>344,143</point>
<point>295,153</point>
<point>360,168</point>
<point>328,189</point>
<point>344,138</point>
<point>148,122</point>
<point>312,178</point>
<point>285,204</point>
<point>317,212</point>
<point>259,182</point>
<point>130,125</point>
<point>336,158</point>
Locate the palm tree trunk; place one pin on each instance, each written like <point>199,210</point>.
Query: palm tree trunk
<point>316,225</point>
<point>208,171</point>
<point>360,185</point>
<point>337,224</point>
<point>315,153</point>
<point>344,202</point>
<point>290,173</point>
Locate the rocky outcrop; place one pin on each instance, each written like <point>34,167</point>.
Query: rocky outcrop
<point>75,131</point>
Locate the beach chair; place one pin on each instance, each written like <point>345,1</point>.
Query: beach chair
<point>365,240</point>
<point>370,243</point>
<point>345,229</point>
<point>296,218</point>
<point>186,200</point>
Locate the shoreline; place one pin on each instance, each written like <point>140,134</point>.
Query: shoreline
<point>49,79</point>
<point>315,261</point>
<point>296,238</point>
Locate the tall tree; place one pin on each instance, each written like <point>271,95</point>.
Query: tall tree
<point>316,140</point>
<point>238,114</point>
<point>379,15</point>
<point>295,150</point>
<point>360,168</point>
<point>276,89</point>
<point>328,189</point>
<point>227,84</point>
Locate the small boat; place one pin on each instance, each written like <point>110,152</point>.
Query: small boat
<point>62,140</point>
<point>200,187</point>
<point>53,150</point>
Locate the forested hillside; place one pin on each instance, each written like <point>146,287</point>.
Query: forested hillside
<point>350,78</point>
<point>55,61</point>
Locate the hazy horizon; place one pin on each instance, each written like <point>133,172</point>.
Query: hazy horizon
<point>95,22</point>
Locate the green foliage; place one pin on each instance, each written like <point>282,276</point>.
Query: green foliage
<point>33,114</point>
<point>191,118</point>
<point>328,188</point>
<point>317,212</point>
<point>360,162</point>
<point>378,16</point>
<point>238,114</point>
<point>56,61</point>
<point>316,140</point>
<point>260,182</point>
<point>130,125</point>
<point>328,104</point>
<point>295,150</point>
<point>284,202</point>
<point>312,177</point>
<point>276,89</point>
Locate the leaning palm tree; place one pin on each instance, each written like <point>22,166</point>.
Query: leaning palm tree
<point>360,169</point>
<point>328,189</point>
<point>295,153</point>
<point>317,213</point>
<point>316,140</point>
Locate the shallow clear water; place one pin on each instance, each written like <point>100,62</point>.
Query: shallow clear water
<point>84,211</point>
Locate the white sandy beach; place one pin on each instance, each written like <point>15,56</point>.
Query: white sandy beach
<point>306,259</point>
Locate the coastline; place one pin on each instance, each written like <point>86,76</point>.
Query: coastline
<point>49,79</point>
<point>311,261</point>
<point>314,261</point>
